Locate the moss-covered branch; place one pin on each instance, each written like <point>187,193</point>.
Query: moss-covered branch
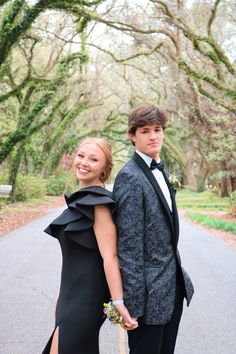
<point>70,145</point>
<point>217,101</point>
<point>175,151</point>
<point>210,80</point>
<point>136,55</point>
<point>65,121</point>
<point>212,17</point>
<point>23,131</point>
<point>216,54</point>
<point>13,92</point>
<point>196,101</point>
<point>2,2</point>
<point>18,18</point>
<point>10,32</point>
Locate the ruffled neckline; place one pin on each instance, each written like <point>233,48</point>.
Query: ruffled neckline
<point>76,222</point>
<point>97,190</point>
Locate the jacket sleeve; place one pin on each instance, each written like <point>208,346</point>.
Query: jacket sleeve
<point>130,227</point>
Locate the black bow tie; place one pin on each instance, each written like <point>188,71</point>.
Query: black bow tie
<point>159,165</point>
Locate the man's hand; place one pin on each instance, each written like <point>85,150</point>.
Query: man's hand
<point>129,323</point>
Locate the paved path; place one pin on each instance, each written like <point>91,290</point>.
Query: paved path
<point>30,264</point>
<point>208,326</point>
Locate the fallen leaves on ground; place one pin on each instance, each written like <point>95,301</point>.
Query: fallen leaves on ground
<point>16,215</point>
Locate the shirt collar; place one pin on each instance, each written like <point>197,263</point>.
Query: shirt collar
<point>146,158</point>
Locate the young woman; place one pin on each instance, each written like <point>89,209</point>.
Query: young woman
<point>90,270</point>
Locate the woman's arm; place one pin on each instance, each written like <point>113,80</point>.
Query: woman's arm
<point>105,232</point>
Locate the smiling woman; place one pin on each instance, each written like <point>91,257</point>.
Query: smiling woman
<point>93,162</point>
<point>90,271</point>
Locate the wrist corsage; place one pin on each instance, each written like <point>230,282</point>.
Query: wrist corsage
<point>112,314</point>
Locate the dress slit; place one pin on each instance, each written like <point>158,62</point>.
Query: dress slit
<point>47,349</point>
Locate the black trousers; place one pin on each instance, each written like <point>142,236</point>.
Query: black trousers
<point>158,339</point>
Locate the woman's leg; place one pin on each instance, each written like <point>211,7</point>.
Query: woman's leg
<point>55,339</point>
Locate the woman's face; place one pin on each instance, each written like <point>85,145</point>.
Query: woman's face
<point>89,163</point>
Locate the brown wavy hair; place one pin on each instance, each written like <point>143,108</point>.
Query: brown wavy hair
<point>146,114</point>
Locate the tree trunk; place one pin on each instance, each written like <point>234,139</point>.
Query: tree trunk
<point>189,178</point>
<point>223,188</point>
<point>201,180</point>
<point>15,168</point>
<point>233,183</point>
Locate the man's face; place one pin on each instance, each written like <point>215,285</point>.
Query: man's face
<point>148,140</point>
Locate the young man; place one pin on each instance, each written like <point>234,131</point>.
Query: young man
<point>148,230</point>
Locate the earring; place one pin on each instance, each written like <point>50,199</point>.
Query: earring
<point>103,175</point>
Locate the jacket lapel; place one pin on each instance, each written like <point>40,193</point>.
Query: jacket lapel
<point>174,207</point>
<point>148,173</point>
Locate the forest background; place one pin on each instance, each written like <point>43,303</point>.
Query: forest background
<point>70,69</point>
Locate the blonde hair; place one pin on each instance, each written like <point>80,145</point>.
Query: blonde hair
<point>106,148</point>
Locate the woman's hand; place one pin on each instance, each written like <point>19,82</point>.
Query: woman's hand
<point>129,323</point>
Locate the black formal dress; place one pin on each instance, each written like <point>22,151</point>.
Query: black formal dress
<point>83,290</point>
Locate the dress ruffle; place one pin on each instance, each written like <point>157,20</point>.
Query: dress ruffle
<point>76,222</point>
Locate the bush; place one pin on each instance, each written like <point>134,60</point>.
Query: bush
<point>29,187</point>
<point>56,185</point>
<point>3,178</point>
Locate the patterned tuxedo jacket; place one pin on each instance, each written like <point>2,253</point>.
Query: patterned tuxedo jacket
<point>147,243</point>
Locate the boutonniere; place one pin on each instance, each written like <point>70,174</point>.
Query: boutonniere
<point>174,183</point>
<point>112,313</point>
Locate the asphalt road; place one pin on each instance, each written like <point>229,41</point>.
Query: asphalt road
<point>30,263</point>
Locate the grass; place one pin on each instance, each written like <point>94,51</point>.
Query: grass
<point>202,201</point>
<point>196,206</point>
<point>213,222</point>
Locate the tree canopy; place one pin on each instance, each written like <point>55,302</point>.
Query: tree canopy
<point>74,68</point>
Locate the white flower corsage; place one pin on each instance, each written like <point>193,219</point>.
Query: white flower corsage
<point>112,314</point>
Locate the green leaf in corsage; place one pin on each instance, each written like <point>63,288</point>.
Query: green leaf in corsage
<point>112,314</point>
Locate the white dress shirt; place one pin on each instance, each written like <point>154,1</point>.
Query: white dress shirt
<point>159,178</point>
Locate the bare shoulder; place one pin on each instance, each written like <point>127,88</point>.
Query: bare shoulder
<point>102,213</point>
